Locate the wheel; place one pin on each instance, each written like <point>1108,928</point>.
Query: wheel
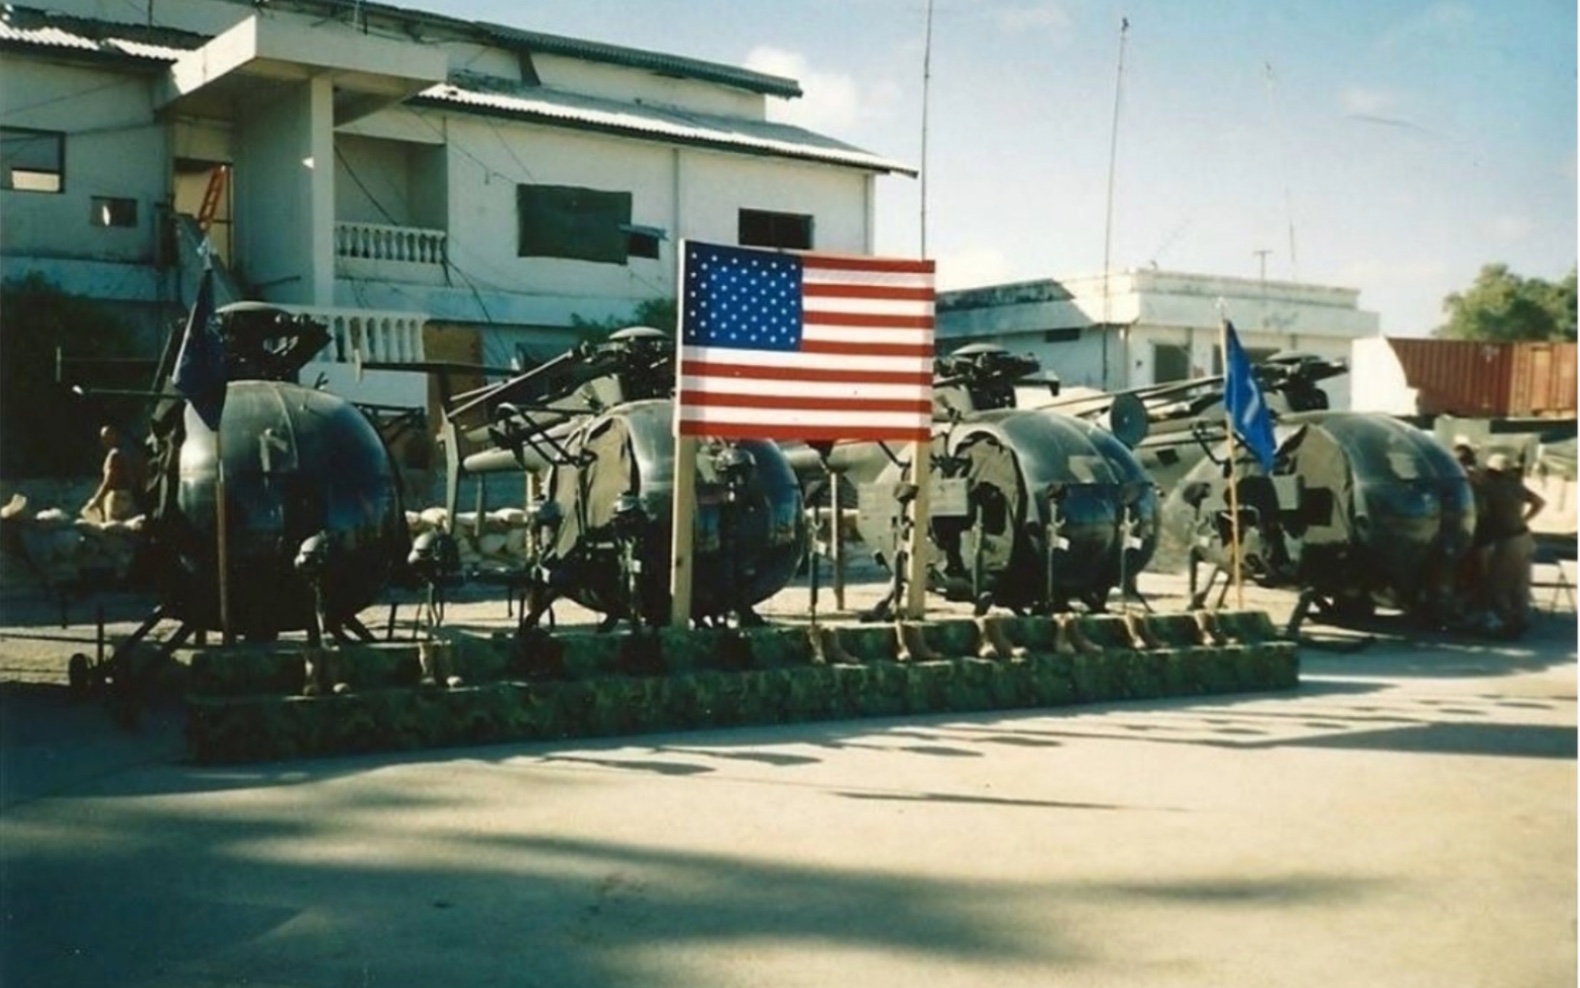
<point>1353,607</point>
<point>79,675</point>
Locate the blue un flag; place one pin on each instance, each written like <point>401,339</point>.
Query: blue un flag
<point>1243,399</point>
<point>201,374</point>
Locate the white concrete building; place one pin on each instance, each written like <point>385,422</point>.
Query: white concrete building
<point>1141,327</point>
<point>437,188</point>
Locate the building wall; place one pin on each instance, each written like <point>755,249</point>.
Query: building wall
<point>686,192</point>
<point>1061,323</point>
<point>296,176</point>
<point>274,199</point>
<point>715,187</point>
<point>114,148</point>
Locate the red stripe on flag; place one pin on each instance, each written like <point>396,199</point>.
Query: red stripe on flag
<point>891,265</point>
<point>854,404</point>
<point>713,368</point>
<point>872,319</point>
<point>835,290</point>
<point>922,433</point>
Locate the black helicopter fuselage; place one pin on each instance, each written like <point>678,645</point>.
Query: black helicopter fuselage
<point>293,464</point>
<point>612,498</point>
<point>1360,509</point>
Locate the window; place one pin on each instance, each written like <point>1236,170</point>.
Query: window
<point>1170,362</point>
<point>575,223</point>
<point>35,160</point>
<point>114,212</point>
<point>643,241</point>
<point>763,229</point>
<point>1255,355</point>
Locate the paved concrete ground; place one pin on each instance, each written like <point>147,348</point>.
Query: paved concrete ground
<point>1406,817</point>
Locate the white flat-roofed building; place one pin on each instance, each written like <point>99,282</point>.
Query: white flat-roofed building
<point>1141,327</point>
<point>436,188</point>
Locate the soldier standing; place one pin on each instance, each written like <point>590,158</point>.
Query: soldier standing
<point>1510,506</point>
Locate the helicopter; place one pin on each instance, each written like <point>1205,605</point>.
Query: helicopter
<point>314,528</point>
<point>1359,510</point>
<point>1184,419</point>
<point>1031,510</point>
<point>596,424</point>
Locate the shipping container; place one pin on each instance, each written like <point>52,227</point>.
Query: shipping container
<point>1489,380</point>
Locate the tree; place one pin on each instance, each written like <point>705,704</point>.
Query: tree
<point>1502,307</point>
<point>659,313</point>
<point>47,430</point>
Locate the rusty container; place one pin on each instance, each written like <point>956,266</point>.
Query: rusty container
<point>1471,379</point>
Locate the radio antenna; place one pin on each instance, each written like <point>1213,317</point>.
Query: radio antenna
<point>927,76</point>
<point>1113,153</point>
<point>1283,166</point>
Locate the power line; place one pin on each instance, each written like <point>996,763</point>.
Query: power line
<point>1283,163</point>
<point>1113,154</point>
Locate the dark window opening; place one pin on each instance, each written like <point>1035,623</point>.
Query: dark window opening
<point>1170,362</point>
<point>1255,355</point>
<point>759,228</point>
<point>642,241</point>
<point>574,223</point>
<point>114,212</point>
<point>1070,335</point>
<point>35,160</point>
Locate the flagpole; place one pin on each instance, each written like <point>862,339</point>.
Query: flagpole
<point>916,552</point>
<point>222,535</point>
<point>683,500</point>
<point>1234,493</point>
<point>683,517</point>
<point>221,498</point>
<point>915,604</point>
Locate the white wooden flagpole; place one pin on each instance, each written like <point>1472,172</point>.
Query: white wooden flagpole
<point>683,520</point>
<point>915,604</point>
<point>683,500</point>
<point>1234,493</point>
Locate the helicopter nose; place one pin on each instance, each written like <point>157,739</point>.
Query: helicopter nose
<point>734,465</point>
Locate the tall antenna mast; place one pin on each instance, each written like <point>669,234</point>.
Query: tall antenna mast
<point>1113,153</point>
<point>927,76</point>
<point>1283,164</point>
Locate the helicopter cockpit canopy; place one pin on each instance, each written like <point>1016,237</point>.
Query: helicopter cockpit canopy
<point>1358,506</point>
<point>979,377</point>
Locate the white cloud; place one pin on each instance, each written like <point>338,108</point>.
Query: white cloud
<point>1509,227</point>
<point>1047,15</point>
<point>970,268</point>
<point>831,101</point>
<point>1368,102</point>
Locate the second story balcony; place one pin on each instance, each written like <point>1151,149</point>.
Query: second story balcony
<point>382,252</point>
<point>359,337</point>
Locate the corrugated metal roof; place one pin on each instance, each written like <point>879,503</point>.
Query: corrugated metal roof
<point>28,27</point>
<point>44,37</point>
<point>35,28</point>
<point>689,68</point>
<point>649,122</point>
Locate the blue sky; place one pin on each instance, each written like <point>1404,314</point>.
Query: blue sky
<point>1392,147</point>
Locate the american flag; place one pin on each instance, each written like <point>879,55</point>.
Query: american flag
<point>788,345</point>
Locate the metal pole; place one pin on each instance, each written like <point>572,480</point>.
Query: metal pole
<point>1108,221</point>
<point>837,540</point>
<point>927,75</point>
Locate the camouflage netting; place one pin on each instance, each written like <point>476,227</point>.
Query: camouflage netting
<point>249,705</point>
<point>61,552</point>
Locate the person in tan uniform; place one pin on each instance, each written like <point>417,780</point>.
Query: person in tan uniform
<point>120,489</point>
<point>1510,506</point>
<point>1471,579</point>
